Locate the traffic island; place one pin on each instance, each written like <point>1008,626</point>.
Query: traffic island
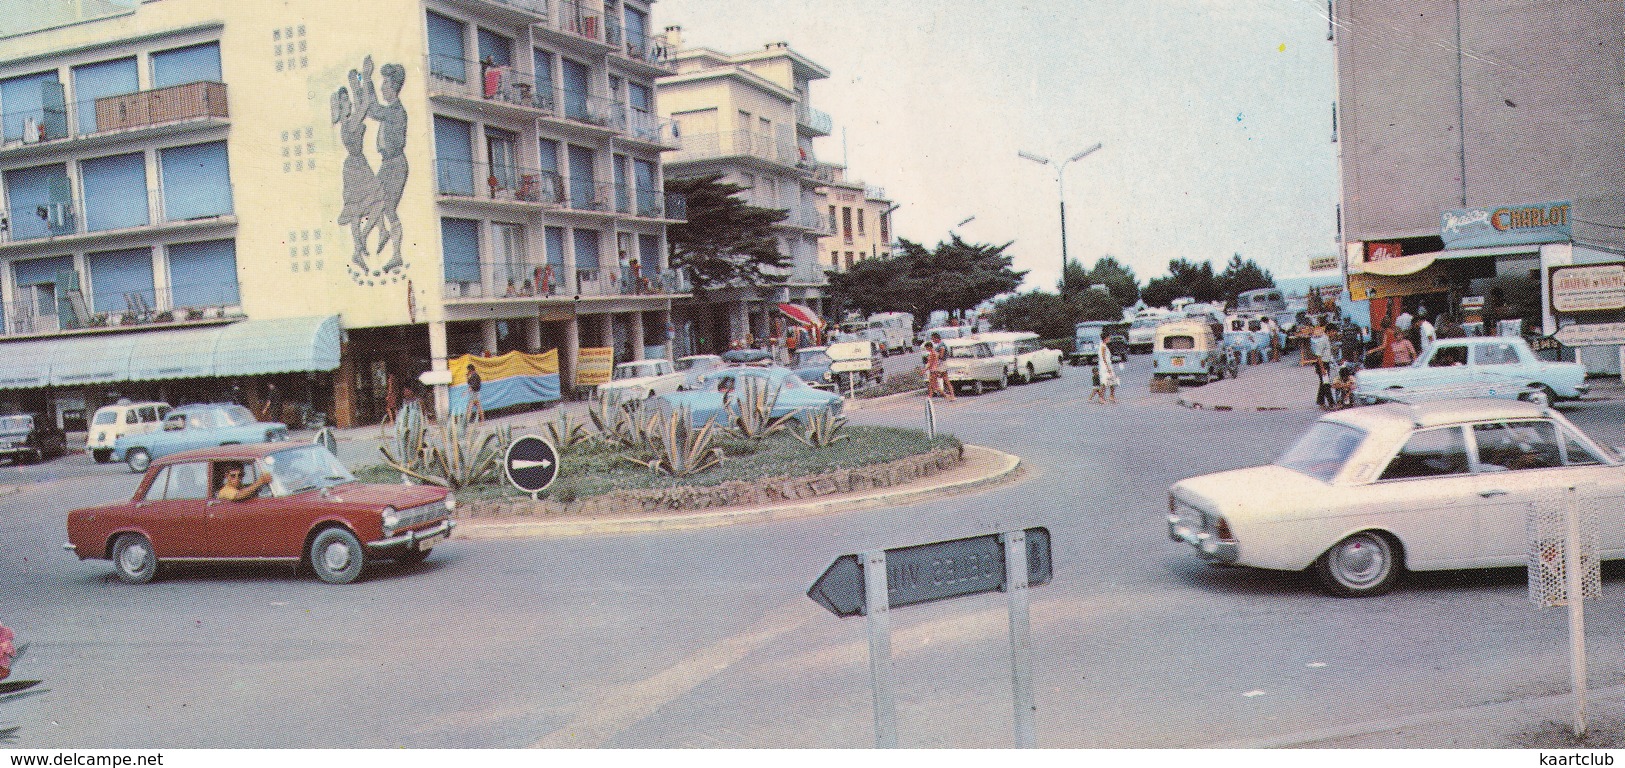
<point>943,471</point>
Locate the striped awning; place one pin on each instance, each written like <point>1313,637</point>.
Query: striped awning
<point>246,348</point>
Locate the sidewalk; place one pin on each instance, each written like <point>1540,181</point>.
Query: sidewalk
<point>1278,386</point>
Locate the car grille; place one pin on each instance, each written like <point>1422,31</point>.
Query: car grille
<point>420,515</point>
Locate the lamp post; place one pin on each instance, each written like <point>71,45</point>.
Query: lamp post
<point>1060,177</point>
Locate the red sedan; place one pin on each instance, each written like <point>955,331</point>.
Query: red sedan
<point>302,506</point>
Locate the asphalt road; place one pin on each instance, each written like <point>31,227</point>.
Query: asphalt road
<point>706,638</point>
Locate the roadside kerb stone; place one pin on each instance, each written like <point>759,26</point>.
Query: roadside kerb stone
<point>889,484</point>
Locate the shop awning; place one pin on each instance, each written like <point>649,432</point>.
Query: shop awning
<point>247,348</point>
<point>1410,265</point>
<point>801,314</point>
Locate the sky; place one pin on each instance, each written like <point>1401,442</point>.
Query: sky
<point>1215,119</point>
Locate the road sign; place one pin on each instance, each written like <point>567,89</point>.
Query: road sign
<point>532,463</point>
<point>927,572</point>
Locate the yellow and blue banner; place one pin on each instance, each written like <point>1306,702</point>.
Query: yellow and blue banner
<point>511,379</point>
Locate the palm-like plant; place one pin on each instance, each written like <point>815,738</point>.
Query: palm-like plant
<point>679,449</point>
<point>565,432</point>
<point>822,429</point>
<point>460,454</point>
<point>409,448</point>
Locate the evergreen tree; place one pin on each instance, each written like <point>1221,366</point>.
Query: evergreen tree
<point>724,241</point>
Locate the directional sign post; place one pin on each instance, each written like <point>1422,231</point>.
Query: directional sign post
<point>875,582</point>
<point>531,464</point>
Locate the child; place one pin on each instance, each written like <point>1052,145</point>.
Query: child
<point>1344,386</point>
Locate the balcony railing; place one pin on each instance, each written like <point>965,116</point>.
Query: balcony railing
<point>125,112</point>
<point>816,120</point>
<point>535,7</point>
<point>523,279</point>
<point>576,19</point>
<point>649,48</point>
<point>509,85</point>
<point>549,189</point>
<point>643,125</point>
<point>210,301</point>
<point>55,219</point>
<point>707,146</point>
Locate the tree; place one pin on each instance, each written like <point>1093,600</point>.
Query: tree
<point>1185,278</point>
<point>1118,279</point>
<point>725,241</point>
<point>1240,276</point>
<point>1074,280</point>
<point>953,276</point>
<point>1044,313</point>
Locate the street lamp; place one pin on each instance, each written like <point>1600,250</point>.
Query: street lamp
<point>1060,177</point>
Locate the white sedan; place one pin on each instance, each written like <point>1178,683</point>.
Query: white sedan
<point>642,379</point>
<point>1369,493</point>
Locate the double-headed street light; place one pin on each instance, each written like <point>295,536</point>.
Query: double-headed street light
<point>1060,176</point>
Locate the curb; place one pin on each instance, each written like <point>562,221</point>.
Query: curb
<point>858,404</point>
<point>1008,464</point>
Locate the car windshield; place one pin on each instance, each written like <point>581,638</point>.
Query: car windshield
<point>1321,451</point>
<point>635,371</point>
<point>816,357</point>
<point>1089,334</point>
<point>16,423</point>
<point>1179,342</point>
<point>305,468</point>
<point>234,416</point>
<point>106,417</point>
<point>967,351</point>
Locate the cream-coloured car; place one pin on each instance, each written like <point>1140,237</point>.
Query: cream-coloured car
<point>642,379</point>
<point>1024,359</point>
<point>122,418</point>
<point>1369,493</point>
<point>972,364</point>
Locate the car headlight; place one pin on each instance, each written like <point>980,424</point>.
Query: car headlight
<point>451,502</point>
<point>391,519</point>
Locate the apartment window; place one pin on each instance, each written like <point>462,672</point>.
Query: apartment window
<point>623,192</point>
<point>115,191</point>
<point>98,81</point>
<point>586,246</point>
<point>192,64</point>
<point>643,178</point>
<point>637,33</point>
<point>764,127</point>
<point>832,220</point>
<point>41,201</point>
<point>494,48</point>
<point>835,259</point>
<point>454,156</point>
<point>849,259</point>
<point>543,62</point>
<point>203,274</point>
<point>447,53</point>
<point>649,255</point>
<point>583,185</point>
<point>196,181</point>
<point>499,153</point>
<point>744,120</point>
<point>860,222</point>
<point>577,77</point>
<point>35,281</point>
<point>508,240</point>
<point>547,161</point>
<point>885,228</point>
<point>121,280</point>
<point>36,108</point>
<point>554,240</point>
<point>460,252</point>
<point>846,223</point>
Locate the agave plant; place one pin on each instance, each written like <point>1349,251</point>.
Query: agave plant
<point>750,411</point>
<point>565,432</point>
<point>822,429</point>
<point>679,449</point>
<point>408,451</point>
<point>460,454</point>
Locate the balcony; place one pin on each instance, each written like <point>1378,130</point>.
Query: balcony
<point>527,95</point>
<point>813,122</point>
<point>463,180</point>
<point>517,11</point>
<point>115,118</point>
<point>577,21</point>
<point>50,220</point>
<point>651,50</point>
<point>645,127</point>
<point>199,304</point>
<point>523,280</point>
<point>712,146</point>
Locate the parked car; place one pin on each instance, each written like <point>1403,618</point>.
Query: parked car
<point>693,367</point>
<point>971,364</point>
<point>26,438</point>
<point>1024,359</point>
<point>892,332</point>
<point>839,366</point>
<point>707,402</point>
<point>1368,493</point>
<point>748,357</point>
<point>947,332</point>
<point>1087,337</point>
<point>641,379</point>
<point>312,513</point>
<point>196,426</point>
<point>123,418</point>
<point>1142,331</point>
<point>1480,363</point>
<point>1188,349</point>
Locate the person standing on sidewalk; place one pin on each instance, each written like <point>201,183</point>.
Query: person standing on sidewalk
<point>475,409</point>
<point>936,370</point>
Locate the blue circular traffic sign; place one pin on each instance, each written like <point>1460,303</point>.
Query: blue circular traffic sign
<point>531,464</point>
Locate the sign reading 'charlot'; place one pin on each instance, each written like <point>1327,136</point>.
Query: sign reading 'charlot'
<point>1508,225</point>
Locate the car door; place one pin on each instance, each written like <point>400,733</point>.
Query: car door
<point>1520,464</point>
<point>1419,496</point>
<point>173,511</point>
<point>1497,363</point>
<point>240,528</point>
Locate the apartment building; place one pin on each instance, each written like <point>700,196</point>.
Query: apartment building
<point>749,118</point>
<point>204,198</point>
<point>1481,148</point>
<point>860,225</point>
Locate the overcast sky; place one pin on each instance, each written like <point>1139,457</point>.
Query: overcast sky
<point>1215,115</point>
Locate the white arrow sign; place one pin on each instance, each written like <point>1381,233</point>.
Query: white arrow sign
<point>528,464</point>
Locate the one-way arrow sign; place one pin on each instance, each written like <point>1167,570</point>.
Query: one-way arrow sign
<point>927,572</point>
<point>532,463</point>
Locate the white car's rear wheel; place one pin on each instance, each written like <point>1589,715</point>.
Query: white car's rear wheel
<point>1364,564</point>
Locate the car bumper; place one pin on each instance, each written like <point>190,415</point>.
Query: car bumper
<point>1582,389</point>
<point>1208,547</point>
<point>414,539</point>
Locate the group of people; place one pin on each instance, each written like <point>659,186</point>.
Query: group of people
<point>938,385</point>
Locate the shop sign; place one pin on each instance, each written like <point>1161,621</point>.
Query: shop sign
<point>1322,263</point>
<point>1507,225</point>
<point>1591,288</point>
<point>594,366</point>
<point>1366,286</point>
<point>1472,302</point>
<point>1382,251</point>
<point>1592,335</point>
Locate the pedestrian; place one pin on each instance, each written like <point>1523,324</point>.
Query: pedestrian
<point>273,402</point>
<point>1385,347</point>
<point>1324,395</point>
<point>1428,334</point>
<point>1401,349</point>
<point>1403,322</point>
<point>1343,387</point>
<point>390,398</point>
<point>1107,375</point>
<point>475,409</point>
<point>936,370</point>
<point>237,395</point>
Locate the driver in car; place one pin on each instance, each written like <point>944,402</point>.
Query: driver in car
<point>234,490</point>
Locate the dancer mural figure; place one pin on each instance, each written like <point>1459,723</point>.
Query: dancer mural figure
<point>371,200</point>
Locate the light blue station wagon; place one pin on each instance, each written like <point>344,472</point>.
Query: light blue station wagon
<point>1492,366</point>
<point>196,426</point>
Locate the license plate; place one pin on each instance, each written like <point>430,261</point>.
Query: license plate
<point>1178,361</point>
<point>429,541</point>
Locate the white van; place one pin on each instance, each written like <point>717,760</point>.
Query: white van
<point>892,332</point>
<point>122,418</point>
